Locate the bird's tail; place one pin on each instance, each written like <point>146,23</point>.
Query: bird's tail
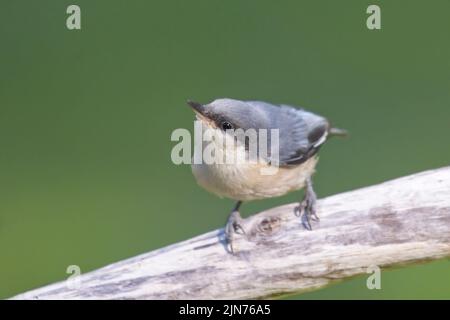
<point>336,132</point>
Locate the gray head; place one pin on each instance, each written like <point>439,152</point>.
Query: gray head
<point>301,132</point>
<point>228,114</point>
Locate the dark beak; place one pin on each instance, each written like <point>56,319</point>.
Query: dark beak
<point>198,107</point>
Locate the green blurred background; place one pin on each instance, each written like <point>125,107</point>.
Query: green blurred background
<point>86,117</point>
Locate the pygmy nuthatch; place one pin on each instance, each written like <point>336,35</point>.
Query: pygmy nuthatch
<point>300,135</point>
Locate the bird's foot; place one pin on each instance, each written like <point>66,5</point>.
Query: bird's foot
<point>307,209</point>
<point>234,225</point>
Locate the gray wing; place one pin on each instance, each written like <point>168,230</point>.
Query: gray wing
<point>301,133</point>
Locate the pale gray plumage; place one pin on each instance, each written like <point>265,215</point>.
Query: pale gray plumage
<point>301,134</point>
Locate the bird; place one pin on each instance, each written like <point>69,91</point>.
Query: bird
<point>301,133</point>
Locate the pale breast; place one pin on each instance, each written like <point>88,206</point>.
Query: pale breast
<point>246,182</point>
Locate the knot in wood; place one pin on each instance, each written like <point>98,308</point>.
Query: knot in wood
<point>268,226</point>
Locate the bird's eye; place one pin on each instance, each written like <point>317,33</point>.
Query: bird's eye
<point>226,125</point>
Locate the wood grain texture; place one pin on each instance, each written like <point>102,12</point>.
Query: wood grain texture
<point>398,222</point>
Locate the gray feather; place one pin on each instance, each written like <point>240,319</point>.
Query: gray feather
<point>301,133</point>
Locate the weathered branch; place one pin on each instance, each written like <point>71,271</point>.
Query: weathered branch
<point>394,223</point>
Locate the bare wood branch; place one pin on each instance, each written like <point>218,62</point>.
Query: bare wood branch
<point>399,222</point>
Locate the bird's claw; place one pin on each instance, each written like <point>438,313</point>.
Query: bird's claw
<point>307,212</point>
<point>234,225</point>
<point>307,209</point>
